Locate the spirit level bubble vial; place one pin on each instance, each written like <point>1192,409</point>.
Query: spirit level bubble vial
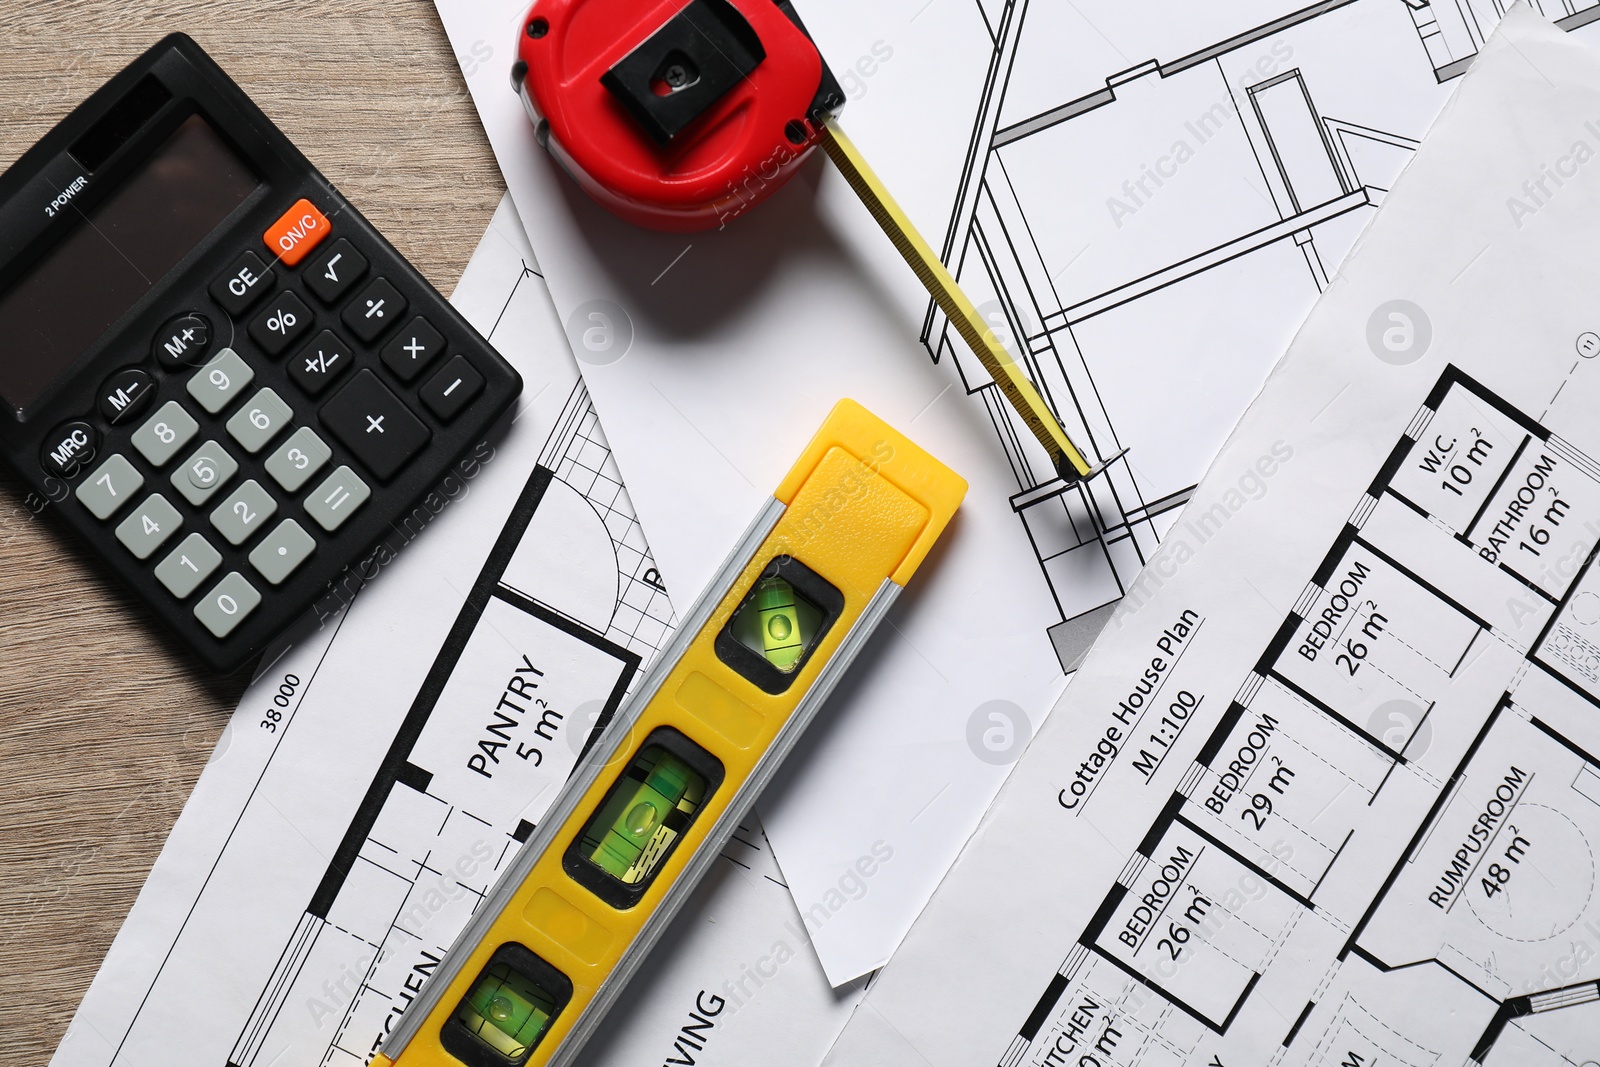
<point>657,797</point>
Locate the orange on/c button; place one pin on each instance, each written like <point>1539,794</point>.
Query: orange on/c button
<point>297,232</point>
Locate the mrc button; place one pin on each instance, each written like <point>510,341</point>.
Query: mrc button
<point>297,232</point>
<point>68,447</point>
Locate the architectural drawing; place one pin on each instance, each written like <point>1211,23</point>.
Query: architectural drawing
<point>1440,673</point>
<point>1196,200</point>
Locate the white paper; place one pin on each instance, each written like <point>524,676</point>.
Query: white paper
<point>358,805</point>
<point>1150,195</point>
<point>1326,791</point>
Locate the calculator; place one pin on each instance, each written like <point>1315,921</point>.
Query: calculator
<point>226,379</point>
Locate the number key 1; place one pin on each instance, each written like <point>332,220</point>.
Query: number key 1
<point>188,565</point>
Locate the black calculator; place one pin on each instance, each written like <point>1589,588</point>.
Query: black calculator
<point>227,380</point>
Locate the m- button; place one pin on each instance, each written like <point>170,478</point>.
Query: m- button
<point>297,232</point>
<point>371,421</point>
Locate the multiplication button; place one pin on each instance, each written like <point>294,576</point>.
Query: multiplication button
<point>227,604</point>
<point>168,430</point>
<point>412,349</point>
<point>371,421</point>
<point>259,420</point>
<point>337,498</point>
<point>148,528</point>
<point>298,458</point>
<point>188,565</point>
<point>281,551</point>
<point>215,385</point>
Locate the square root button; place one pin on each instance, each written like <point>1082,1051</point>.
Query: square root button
<point>371,421</point>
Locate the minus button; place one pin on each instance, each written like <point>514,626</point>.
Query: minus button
<point>452,389</point>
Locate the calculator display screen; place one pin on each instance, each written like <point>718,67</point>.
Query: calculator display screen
<point>116,253</point>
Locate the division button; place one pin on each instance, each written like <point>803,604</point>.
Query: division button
<point>242,284</point>
<point>298,458</point>
<point>227,604</point>
<point>259,420</point>
<point>374,310</point>
<point>452,388</point>
<point>148,528</point>
<point>413,348</point>
<point>68,447</point>
<point>297,232</point>
<point>371,421</point>
<point>281,551</point>
<point>332,274</point>
<point>188,565</point>
<point>203,473</point>
<point>246,510</point>
<point>284,321</point>
<point>320,362</point>
<point>337,498</point>
<point>183,342</point>
<point>109,487</point>
<point>126,394</point>
<point>163,433</point>
<point>216,384</point>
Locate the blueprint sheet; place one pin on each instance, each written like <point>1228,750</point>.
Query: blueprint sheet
<point>365,794</point>
<point>1327,791</point>
<point>1144,198</point>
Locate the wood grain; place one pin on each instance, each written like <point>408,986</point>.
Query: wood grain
<point>105,722</point>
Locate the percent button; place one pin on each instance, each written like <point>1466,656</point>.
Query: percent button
<point>285,320</point>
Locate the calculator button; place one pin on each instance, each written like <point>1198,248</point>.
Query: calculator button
<point>285,320</point>
<point>337,498</point>
<point>332,274</point>
<point>298,458</point>
<point>126,394</point>
<point>281,551</point>
<point>246,510</point>
<point>371,421</point>
<point>109,487</point>
<point>371,312</point>
<point>242,284</point>
<point>259,420</point>
<point>227,604</point>
<point>216,384</point>
<point>188,565</point>
<point>413,348</point>
<point>168,430</point>
<point>68,447</point>
<point>148,528</point>
<point>297,232</point>
<point>183,342</point>
<point>203,473</point>
<point>452,388</point>
<point>320,362</point>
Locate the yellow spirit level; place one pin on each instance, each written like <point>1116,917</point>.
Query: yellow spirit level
<point>658,795</point>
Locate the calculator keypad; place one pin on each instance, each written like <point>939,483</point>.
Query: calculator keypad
<point>204,472</point>
<point>110,487</point>
<point>164,433</point>
<point>188,565</point>
<point>261,419</point>
<point>245,511</point>
<point>149,527</point>
<point>236,465</point>
<point>216,384</point>
<point>298,458</point>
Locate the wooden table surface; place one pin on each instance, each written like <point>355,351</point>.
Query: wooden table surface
<point>105,722</point>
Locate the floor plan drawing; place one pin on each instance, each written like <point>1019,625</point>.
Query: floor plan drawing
<point>1441,671</point>
<point>1197,200</point>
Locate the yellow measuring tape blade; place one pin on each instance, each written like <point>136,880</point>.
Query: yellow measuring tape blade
<point>942,286</point>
